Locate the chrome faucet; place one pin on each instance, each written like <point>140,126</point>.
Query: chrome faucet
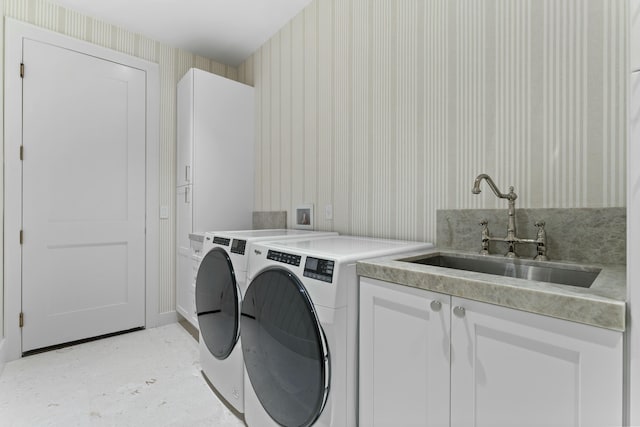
<point>511,239</point>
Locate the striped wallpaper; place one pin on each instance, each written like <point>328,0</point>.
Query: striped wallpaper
<point>173,64</point>
<point>388,109</point>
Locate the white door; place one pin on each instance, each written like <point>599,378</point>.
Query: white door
<point>83,196</point>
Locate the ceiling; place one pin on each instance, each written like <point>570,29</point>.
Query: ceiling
<point>228,31</point>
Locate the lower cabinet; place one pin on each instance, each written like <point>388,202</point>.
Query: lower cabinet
<point>187,271</point>
<point>429,359</point>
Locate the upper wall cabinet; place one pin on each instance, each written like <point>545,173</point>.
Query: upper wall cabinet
<point>634,12</point>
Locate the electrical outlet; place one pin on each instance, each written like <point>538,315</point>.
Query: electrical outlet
<point>328,211</point>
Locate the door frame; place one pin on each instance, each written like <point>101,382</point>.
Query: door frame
<point>15,32</point>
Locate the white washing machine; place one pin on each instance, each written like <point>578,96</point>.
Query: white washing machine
<point>220,285</point>
<point>299,329</point>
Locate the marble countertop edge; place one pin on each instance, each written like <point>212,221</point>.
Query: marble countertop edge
<point>602,305</point>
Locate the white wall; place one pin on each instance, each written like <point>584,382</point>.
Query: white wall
<point>389,109</point>
<point>173,64</point>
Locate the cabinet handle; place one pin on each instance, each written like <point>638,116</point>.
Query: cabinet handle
<point>186,172</point>
<point>186,195</point>
<point>459,311</point>
<point>436,305</point>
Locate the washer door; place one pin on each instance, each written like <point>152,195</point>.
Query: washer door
<point>218,303</point>
<point>285,350</point>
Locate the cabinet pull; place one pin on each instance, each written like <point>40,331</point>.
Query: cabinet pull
<point>459,311</point>
<point>436,305</point>
<point>186,195</point>
<point>186,172</point>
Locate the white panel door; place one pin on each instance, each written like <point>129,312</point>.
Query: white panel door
<point>511,368</point>
<point>404,356</point>
<point>83,196</point>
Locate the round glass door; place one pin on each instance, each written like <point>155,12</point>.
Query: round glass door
<point>217,303</point>
<point>284,348</point>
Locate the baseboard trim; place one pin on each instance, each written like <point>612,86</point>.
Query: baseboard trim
<point>166,318</point>
<point>3,356</point>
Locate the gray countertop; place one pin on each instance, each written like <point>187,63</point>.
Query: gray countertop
<point>602,304</point>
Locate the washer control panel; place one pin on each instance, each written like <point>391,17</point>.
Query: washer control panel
<point>221,241</point>
<point>320,269</point>
<point>284,257</point>
<point>238,246</point>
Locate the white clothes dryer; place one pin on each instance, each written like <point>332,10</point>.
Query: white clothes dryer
<point>220,285</point>
<point>299,329</point>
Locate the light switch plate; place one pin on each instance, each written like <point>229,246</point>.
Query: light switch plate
<point>328,211</point>
<point>164,212</point>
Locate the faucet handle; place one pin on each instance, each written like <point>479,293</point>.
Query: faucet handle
<point>485,237</point>
<point>541,240</point>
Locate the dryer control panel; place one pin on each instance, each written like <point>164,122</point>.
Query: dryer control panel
<point>320,269</point>
<point>238,246</point>
<point>221,241</point>
<point>284,257</point>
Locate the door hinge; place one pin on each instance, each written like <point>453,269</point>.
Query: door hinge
<point>21,319</point>
<point>21,236</point>
<point>21,70</point>
<point>22,152</point>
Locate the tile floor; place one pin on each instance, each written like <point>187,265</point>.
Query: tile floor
<point>144,378</point>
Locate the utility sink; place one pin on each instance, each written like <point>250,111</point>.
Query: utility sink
<point>522,269</point>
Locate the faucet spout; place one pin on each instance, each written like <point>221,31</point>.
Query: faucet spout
<point>483,176</point>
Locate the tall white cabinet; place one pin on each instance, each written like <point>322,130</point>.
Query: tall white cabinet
<point>633,223</point>
<point>215,169</point>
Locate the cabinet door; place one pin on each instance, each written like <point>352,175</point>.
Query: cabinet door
<point>514,368</point>
<point>633,242</point>
<point>634,31</point>
<point>184,279</point>
<point>223,147</point>
<point>404,356</point>
<point>184,154</point>
<point>184,218</point>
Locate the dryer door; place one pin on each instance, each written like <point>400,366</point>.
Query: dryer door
<point>218,303</point>
<point>284,347</point>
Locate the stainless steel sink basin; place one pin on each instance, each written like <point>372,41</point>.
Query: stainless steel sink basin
<point>521,269</point>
